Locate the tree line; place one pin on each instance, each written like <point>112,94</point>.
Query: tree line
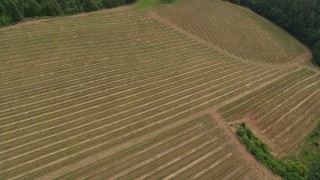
<point>13,11</point>
<point>301,18</point>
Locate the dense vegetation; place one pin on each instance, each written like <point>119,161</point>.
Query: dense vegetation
<point>300,18</point>
<point>286,169</point>
<point>12,11</point>
<point>309,153</point>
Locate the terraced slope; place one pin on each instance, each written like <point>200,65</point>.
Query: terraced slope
<point>78,89</point>
<point>285,111</point>
<point>234,30</point>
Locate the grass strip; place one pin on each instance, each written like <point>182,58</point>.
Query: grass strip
<point>287,169</point>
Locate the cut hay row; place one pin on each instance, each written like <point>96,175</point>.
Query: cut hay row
<point>108,81</point>
<point>300,126</point>
<point>279,109</point>
<point>19,132</point>
<point>172,158</point>
<point>125,58</point>
<point>80,131</point>
<point>93,101</point>
<point>97,89</point>
<point>112,100</point>
<point>78,147</point>
<point>231,110</point>
<point>70,25</point>
<point>291,92</point>
<point>108,75</point>
<point>51,149</point>
<point>295,118</point>
<point>83,66</point>
<point>228,28</point>
<point>155,93</point>
<point>293,105</point>
<point>81,61</point>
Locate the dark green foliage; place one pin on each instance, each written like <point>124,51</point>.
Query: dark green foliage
<point>92,5</point>
<point>31,8</point>
<point>3,10</point>
<point>299,17</point>
<point>316,50</point>
<point>71,7</point>
<point>12,11</point>
<point>310,153</point>
<point>51,8</point>
<point>285,169</point>
<point>5,20</point>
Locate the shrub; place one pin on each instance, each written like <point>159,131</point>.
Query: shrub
<point>285,169</point>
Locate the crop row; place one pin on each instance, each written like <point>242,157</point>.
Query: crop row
<point>151,105</point>
<point>180,157</point>
<point>225,29</point>
<point>285,97</point>
<point>242,105</point>
<point>106,77</point>
<point>93,101</point>
<point>285,111</point>
<point>117,131</point>
<point>150,95</point>
<point>300,126</point>
<point>101,104</point>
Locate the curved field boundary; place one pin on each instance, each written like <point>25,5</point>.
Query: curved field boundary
<point>221,24</point>
<point>283,112</point>
<point>89,101</point>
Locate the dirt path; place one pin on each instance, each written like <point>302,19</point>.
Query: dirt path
<point>251,122</point>
<point>252,162</point>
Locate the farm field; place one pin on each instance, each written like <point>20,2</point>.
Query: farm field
<point>196,148</point>
<point>120,95</point>
<point>233,30</point>
<point>88,98</point>
<point>285,111</point>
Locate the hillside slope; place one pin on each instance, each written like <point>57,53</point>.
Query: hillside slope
<point>116,94</point>
<point>91,92</point>
<point>235,30</point>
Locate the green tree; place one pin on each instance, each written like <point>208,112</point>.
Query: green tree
<point>92,5</point>
<point>51,8</point>
<point>13,9</point>
<point>31,8</point>
<point>316,52</point>
<point>71,6</point>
